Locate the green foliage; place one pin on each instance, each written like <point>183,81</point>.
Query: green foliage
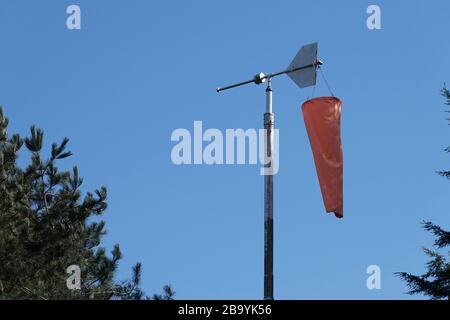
<point>46,226</point>
<point>435,283</point>
<point>446,94</point>
<point>167,295</point>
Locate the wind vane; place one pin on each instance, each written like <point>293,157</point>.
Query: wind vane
<point>303,71</point>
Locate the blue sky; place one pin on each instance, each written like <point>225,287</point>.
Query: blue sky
<point>137,70</point>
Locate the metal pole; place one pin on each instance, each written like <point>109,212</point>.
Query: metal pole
<point>268,197</point>
<point>261,77</point>
<point>235,85</point>
<point>307,54</point>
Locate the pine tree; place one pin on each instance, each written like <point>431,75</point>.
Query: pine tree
<point>167,295</point>
<point>435,283</point>
<point>45,227</point>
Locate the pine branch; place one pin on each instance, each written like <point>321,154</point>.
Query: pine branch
<point>443,237</point>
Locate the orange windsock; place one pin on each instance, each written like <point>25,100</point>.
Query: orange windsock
<point>323,123</point>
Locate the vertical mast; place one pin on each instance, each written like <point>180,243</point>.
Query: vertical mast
<point>268,196</point>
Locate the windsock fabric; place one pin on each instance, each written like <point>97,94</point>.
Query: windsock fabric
<point>323,123</point>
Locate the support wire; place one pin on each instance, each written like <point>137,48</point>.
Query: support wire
<point>326,82</point>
